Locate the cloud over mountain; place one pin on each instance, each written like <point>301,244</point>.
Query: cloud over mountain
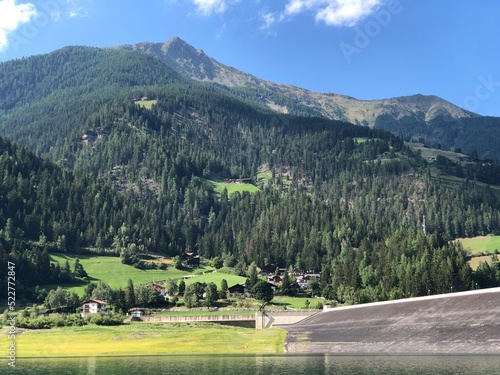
<point>12,16</point>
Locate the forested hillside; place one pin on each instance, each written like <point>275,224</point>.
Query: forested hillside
<point>43,209</point>
<point>340,198</point>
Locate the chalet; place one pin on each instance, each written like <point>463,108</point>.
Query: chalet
<point>157,287</point>
<point>238,290</point>
<point>160,289</point>
<point>296,272</point>
<point>276,279</point>
<point>186,256</point>
<point>193,262</point>
<point>267,270</point>
<point>238,180</point>
<point>303,280</point>
<point>93,306</point>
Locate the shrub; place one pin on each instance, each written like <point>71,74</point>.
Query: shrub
<point>107,319</point>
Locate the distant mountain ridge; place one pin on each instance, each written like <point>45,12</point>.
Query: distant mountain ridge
<point>194,63</point>
<point>416,117</point>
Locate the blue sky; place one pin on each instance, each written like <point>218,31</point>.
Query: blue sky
<point>368,49</point>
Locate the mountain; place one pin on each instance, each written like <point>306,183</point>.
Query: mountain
<point>418,117</point>
<point>328,195</point>
<point>63,97</point>
<point>193,63</point>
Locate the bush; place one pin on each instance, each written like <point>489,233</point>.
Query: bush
<point>47,322</point>
<point>107,319</point>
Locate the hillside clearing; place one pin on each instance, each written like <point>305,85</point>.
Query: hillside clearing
<point>231,187</point>
<point>481,244</point>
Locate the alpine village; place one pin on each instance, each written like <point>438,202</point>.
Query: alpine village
<point>151,193</point>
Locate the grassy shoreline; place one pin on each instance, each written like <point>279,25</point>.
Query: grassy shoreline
<point>145,339</point>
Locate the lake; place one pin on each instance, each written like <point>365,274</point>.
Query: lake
<point>265,365</point>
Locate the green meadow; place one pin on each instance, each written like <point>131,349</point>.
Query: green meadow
<point>428,152</point>
<point>111,271</point>
<point>216,277</point>
<point>481,244</point>
<point>146,103</point>
<point>475,261</point>
<point>218,187</point>
<point>145,339</point>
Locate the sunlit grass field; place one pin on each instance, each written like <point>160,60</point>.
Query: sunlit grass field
<point>481,244</point>
<point>111,271</point>
<point>475,261</point>
<point>216,277</point>
<point>231,188</point>
<point>146,103</point>
<point>145,339</point>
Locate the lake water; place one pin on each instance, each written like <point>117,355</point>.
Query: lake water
<point>264,365</point>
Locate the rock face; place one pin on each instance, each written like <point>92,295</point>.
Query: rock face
<point>466,322</point>
<point>192,62</point>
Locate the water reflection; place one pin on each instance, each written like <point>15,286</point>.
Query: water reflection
<point>261,365</point>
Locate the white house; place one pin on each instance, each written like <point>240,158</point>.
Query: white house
<point>93,306</point>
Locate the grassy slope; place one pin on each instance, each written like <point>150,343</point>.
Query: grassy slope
<point>481,244</point>
<point>146,339</point>
<point>147,103</point>
<point>474,262</point>
<point>111,271</point>
<point>429,152</point>
<point>216,277</point>
<point>218,187</point>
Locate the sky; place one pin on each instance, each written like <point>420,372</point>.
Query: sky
<point>367,49</point>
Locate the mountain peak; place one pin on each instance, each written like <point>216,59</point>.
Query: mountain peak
<point>180,56</point>
<point>194,63</point>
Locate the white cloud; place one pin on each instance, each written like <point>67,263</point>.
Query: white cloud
<point>75,9</point>
<point>208,7</point>
<point>12,16</point>
<point>334,12</point>
<point>269,19</point>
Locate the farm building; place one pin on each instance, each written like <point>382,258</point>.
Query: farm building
<point>93,306</point>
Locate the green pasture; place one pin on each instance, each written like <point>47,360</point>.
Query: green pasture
<point>216,277</point>
<point>231,188</point>
<point>111,271</point>
<point>427,152</point>
<point>145,339</point>
<point>475,261</point>
<point>481,244</point>
<point>294,302</point>
<point>360,140</point>
<point>146,103</point>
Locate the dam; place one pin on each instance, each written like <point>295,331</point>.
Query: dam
<point>454,323</point>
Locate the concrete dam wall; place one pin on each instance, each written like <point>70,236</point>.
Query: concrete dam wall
<point>467,322</point>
